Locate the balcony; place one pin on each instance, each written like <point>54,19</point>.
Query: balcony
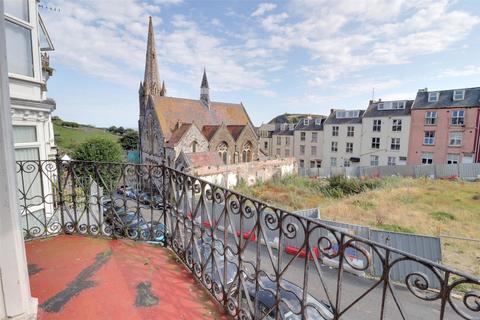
<point>98,249</point>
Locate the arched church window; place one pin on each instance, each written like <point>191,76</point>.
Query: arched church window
<point>247,152</point>
<point>194,146</point>
<point>222,150</point>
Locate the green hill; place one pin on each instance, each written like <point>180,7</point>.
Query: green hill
<point>290,117</point>
<point>68,135</point>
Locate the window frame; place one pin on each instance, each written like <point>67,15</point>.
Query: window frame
<point>351,133</point>
<point>334,146</point>
<point>335,131</point>
<point>303,135</point>
<point>374,160</point>
<point>390,162</point>
<point>395,144</point>
<point>455,92</point>
<point>430,118</point>
<point>377,125</point>
<point>433,96</point>
<point>31,25</point>
<point>460,120</point>
<point>431,141</point>
<point>349,147</point>
<point>450,139</point>
<point>455,161</point>
<point>425,159</point>
<point>397,125</point>
<point>375,143</point>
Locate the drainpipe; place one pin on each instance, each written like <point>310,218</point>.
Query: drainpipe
<point>15,297</point>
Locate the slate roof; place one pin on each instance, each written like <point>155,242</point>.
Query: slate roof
<point>235,130</point>
<point>177,134</point>
<point>373,112</point>
<point>312,126</point>
<point>200,159</point>
<point>209,131</point>
<point>332,119</point>
<point>170,110</point>
<point>445,99</point>
<point>279,132</point>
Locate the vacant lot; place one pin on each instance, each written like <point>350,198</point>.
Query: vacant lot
<point>431,207</point>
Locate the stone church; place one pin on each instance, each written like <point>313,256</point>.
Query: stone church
<point>188,132</point>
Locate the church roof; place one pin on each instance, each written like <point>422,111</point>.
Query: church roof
<point>209,131</point>
<point>178,133</point>
<point>170,110</point>
<point>200,159</point>
<point>235,130</point>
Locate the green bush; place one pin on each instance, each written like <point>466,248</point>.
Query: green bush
<point>70,124</point>
<point>340,186</point>
<point>442,215</point>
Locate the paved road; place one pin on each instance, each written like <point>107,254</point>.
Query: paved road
<point>351,286</point>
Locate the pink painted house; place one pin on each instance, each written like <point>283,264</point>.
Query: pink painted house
<point>445,127</point>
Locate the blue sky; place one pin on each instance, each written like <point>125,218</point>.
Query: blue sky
<point>303,56</point>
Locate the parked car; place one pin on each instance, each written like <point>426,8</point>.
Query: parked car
<point>121,189</point>
<point>132,225</point>
<point>217,259</point>
<point>132,193</point>
<point>145,198</point>
<point>290,293</point>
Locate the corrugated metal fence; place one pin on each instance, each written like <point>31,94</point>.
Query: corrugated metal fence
<point>423,246</point>
<point>462,171</point>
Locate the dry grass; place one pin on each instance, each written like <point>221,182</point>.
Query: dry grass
<point>431,207</point>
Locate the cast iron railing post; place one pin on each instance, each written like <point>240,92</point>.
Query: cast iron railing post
<point>58,164</point>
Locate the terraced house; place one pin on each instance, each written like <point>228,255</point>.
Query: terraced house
<point>342,138</point>
<point>308,141</point>
<point>445,127</point>
<point>385,133</point>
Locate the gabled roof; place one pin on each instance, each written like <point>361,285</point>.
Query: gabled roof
<point>177,134</point>
<point>445,99</point>
<point>171,110</point>
<point>209,131</point>
<point>372,110</point>
<point>201,159</point>
<point>332,119</point>
<point>235,130</point>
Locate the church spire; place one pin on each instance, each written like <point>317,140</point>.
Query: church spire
<point>204,90</point>
<point>151,82</point>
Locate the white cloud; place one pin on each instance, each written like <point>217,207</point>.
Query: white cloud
<point>466,71</point>
<point>345,36</point>
<point>264,8</point>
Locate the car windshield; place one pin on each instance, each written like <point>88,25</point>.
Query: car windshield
<point>320,312</point>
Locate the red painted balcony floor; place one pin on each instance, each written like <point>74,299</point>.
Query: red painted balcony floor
<point>77,277</point>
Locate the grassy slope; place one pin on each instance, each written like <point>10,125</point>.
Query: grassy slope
<point>431,207</point>
<point>68,138</point>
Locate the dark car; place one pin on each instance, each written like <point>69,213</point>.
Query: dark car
<point>289,293</point>
<point>214,264</point>
<point>132,225</point>
<point>121,189</point>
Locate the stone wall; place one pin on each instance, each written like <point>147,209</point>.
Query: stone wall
<point>230,175</point>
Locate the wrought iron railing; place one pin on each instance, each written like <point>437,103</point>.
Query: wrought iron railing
<point>258,261</point>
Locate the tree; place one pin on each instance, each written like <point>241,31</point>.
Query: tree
<point>112,129</point>
<point>129,140</point>
<point>98,150</point>
<point>120,130</point>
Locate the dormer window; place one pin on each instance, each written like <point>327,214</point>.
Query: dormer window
<point>347,114</point>
<point>433,96</point>
<point>305,122</point>
<point>291,126</point>
<point>458,95</point>
<point>283,126</point>
<point>392,105</point>
<point>318,121</point>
